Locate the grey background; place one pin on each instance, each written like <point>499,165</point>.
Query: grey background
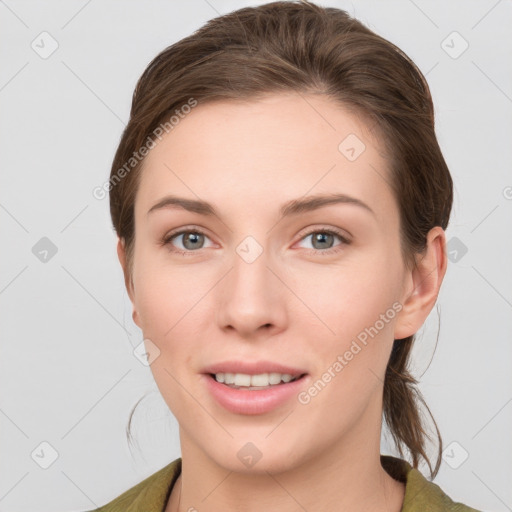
<point>68,374</point>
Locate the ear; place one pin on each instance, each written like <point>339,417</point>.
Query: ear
<point>128,282</point>
<point>422,285</point>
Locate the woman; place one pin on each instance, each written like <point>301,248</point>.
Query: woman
<point>280,200</point>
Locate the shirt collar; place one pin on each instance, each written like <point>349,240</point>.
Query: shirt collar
<point>152,494</point>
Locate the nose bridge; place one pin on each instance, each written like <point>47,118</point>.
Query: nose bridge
<point>250,274</point>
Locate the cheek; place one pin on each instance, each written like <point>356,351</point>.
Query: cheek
<point>174,308</point>
<point>170,310</point>
<point>350,362</point>
<point>354,337</point>
<point>163,293</point>
<point>343,300</point>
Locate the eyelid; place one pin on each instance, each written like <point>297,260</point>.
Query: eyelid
<point>187,229</point>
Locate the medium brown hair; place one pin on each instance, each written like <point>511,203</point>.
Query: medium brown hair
<point>301,47</point>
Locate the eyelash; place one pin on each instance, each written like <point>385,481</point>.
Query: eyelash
<point>166,240</point>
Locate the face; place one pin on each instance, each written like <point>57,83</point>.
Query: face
<point>315,292</point>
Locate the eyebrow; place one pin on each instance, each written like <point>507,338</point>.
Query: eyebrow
<point>293,207</point>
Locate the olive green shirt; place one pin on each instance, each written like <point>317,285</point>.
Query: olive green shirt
<point>421,495</point>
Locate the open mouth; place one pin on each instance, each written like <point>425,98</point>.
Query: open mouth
<point>249,393</point>
<point>254,382</point>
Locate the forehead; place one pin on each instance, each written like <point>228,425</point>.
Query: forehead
<point>280,147</point>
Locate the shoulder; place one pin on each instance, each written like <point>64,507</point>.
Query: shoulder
<point>420,493</point>
<point>150,495</point>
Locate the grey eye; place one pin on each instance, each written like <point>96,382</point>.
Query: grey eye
<point>322,239</point>
<point>192,240</point>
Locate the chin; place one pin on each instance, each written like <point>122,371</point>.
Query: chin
<point>258,457</point>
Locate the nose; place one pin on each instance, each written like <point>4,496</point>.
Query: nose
<point>251,299</point>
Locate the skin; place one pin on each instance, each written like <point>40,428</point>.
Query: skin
<point>292,305</point>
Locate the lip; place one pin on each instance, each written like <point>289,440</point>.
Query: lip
<point>252,402</point>
<point>252,368</point>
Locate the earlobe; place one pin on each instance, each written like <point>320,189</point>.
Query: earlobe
<point>422,285</point>
<point>135,317</point>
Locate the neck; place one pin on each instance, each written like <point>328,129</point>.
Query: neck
<point>384,494</point>
<point>339,478</point>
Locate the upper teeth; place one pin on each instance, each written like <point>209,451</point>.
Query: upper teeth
<point>262,379</point>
